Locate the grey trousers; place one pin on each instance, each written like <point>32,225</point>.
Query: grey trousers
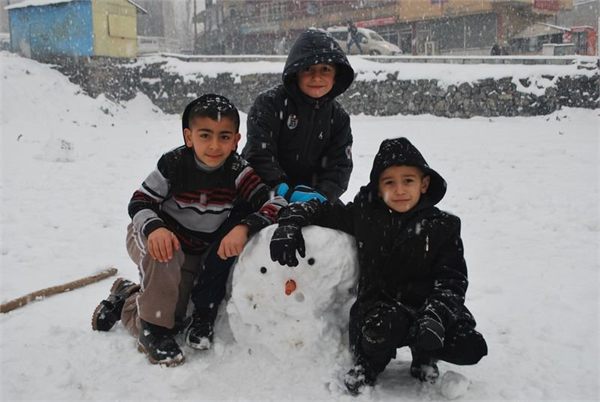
<point>165,286</point>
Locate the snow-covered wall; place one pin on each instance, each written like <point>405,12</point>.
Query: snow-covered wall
<point>450,90</point>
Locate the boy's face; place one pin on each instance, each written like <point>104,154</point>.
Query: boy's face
<point>401,187</point>
<point>317,80</point>
<point>212,141</point>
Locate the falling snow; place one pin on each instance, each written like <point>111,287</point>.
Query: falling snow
<point>526,190</point>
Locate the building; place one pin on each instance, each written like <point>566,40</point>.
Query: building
<point>419,27</point>
<point>48,28</point>
<point>575,32</point>
<point>583,22</point>
<point>4,16</point>
<point>4,35</point>
<point>168,26</point>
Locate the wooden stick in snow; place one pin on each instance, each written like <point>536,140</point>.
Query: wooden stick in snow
<point>40,294</point>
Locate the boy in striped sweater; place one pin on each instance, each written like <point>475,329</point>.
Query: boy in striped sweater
<point>182,230</point>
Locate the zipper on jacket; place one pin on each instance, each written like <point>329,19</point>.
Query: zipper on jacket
<point>309,143</point>
<point>318,106</point>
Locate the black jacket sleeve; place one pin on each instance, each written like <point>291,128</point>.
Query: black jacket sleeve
<point>450,271</point>
<point>314,212</point>
<point>263,127</point>
<point>334,175</point>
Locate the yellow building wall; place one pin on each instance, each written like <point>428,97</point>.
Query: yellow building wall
<point>415,10</point>
<point>115,28</point>
<point>328,19</point>
<point>516,13</point>
<point>566,4</point>
<point>563,5</point>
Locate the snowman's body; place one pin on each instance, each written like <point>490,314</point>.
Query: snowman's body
<point>300,311</point>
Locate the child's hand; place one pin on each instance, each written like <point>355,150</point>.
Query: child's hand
<point>286,240</point>
<point>300,193</point>
<point>428,334</point>
<point>160,244</point>
<point>304,193</point>
<point>233,244</point>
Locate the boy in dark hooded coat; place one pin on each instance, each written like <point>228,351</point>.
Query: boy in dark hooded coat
<point>413,276</point>
<point>299,136</point>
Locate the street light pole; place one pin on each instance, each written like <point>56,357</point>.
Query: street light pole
<point>195,28</point>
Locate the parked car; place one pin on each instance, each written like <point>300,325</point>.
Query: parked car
<point>370,42</point>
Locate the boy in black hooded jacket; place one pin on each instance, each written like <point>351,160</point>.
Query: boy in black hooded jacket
<point>413,276</point>
<point>299,136</point>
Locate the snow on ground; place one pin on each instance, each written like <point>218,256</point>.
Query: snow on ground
<point>540,76</point>
<point>525,188</point>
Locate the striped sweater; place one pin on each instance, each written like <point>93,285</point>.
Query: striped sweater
<point>193,200</point>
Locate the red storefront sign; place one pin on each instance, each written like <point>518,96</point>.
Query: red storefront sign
<point>377,22</point>
<point>549,5</point>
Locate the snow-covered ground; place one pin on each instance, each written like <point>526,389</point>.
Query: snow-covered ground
<point>540,76</point>
<point>525,188</point>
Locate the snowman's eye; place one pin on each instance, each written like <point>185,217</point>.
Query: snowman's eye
<point>311,261</point>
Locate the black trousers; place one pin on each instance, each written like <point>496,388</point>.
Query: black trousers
<point>463,345</point>
<point>209,291</point>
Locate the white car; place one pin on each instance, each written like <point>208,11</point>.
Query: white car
<point>370,42</point>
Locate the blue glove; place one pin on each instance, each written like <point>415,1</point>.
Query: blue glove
<point>300,193</point>
<point>304,193</point>
<point>283,190</point>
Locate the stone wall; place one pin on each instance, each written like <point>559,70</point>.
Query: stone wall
<point>123,80</point>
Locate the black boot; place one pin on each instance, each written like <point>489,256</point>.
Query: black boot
<point>200,333</point>
<point>424,367</point>
<point>359,377</point>
<point>108,311</point>
<point>159,344</point>
<point>181,325</point>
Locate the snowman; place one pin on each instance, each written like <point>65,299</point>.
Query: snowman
<point>299,312</point>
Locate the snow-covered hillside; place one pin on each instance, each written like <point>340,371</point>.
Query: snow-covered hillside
<point>525,188</point>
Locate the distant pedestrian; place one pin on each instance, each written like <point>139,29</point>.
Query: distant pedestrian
<point>354,36</point>
<point>495,50</point>
<point>281,47</point>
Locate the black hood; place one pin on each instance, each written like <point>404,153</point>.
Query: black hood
<point>315,46</point>
<point>399,151</point>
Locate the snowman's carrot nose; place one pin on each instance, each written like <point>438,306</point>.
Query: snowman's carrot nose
<point>290,286</point>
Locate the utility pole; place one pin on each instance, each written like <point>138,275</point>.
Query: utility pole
<point>195,28</point>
